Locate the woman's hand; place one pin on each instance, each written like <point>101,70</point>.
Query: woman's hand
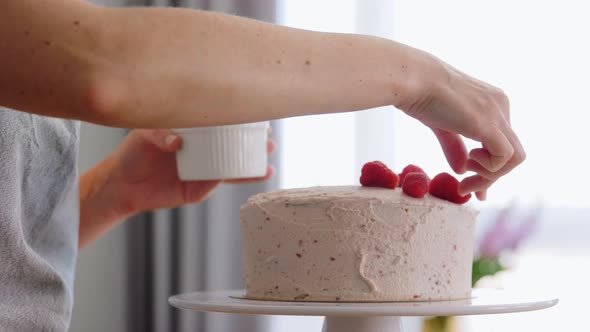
<point>140,175</point>
<point>454,104</point>
<point>145,172</point>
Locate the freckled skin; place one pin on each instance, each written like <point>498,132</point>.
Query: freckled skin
<point>79,40</point>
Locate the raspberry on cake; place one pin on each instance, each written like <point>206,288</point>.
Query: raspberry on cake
<point>407,170</point>
<point>445,186</point>
<point>377,174</point>
<point>359,244</point>
<point>416,184</point>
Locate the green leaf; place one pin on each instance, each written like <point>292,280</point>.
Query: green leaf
<point>485,266</point>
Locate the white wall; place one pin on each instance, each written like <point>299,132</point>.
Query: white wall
<point>100,280</point>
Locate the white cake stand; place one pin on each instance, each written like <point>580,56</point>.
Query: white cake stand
<point>364,317</point>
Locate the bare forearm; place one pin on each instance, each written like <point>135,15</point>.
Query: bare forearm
<point>165,67</point>
<point>47,58</point>
<point>100,208</point>
<point>197,68</point>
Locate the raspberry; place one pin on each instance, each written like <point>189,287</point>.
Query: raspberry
<point>409,169</point>
<point>416,184</point>
<point>376,174</point>
<point>445,186</point>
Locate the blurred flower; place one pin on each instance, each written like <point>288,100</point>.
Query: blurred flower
<point>523,230</point>
<point>493,239</point>
<point>500,236</point>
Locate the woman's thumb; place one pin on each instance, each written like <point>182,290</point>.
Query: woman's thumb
<point>165,140</point>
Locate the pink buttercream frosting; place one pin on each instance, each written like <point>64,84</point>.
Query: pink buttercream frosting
<point>353,243</point>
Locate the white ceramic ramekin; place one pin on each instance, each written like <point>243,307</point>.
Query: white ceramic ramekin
<point>223,152</point>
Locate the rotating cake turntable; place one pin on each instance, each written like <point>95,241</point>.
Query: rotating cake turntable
<point>365,316</point>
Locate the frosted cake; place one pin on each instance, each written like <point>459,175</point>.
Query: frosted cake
<point>360,244</point>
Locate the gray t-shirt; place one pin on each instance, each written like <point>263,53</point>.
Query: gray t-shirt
<point>39,216</point>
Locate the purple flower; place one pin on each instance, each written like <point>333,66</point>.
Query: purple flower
<point>493,239</point>
<point>523,230</point>
<point>500,236</point>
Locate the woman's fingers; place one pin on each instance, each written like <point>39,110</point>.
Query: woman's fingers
<point>475,167</point>
<point>503,153</point>
<point>519,155</point>
<point>270,171</point>
<point>453,148</point>
<point>484,178</point>
<point>497,149</point>
<point>169,141</point>
<point>164,139</point>
<point>517,158</point>
<point>454,104</point>
<point>474,183</point>
<point>481,195</point>
<point>270,146</point>
<point>197,191</point>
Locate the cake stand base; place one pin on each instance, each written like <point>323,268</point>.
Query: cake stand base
<point>364,324</point>
<point>368,316</point>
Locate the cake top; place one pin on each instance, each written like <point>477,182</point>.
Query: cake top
<point>334,193</point>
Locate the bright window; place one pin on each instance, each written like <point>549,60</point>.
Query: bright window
<point>537,51</point>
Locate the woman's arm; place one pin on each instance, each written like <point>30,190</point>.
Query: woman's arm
<point>47,56</point>
<point>100,206</point>
<point>167,67</point>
